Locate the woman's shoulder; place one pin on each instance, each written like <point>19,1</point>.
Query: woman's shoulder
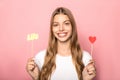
<point>41,53</point>
<point>86,57</point>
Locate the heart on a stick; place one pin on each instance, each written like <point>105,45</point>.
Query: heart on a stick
<point>92,39</point>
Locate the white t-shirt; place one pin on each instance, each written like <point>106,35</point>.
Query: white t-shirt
<point>65,69</point>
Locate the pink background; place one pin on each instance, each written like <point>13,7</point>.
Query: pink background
<point>100,18</point>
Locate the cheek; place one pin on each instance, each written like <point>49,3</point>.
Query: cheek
<point>70,29</point>
<point>70,32</point>
<point>55,29</point>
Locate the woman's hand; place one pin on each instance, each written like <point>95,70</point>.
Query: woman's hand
<point>89,72</point>
<point>32,69</point>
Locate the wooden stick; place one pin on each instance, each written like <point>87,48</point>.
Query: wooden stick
<point>32,48</point>
<point>92,50</point>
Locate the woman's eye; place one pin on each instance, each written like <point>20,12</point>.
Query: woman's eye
<point>54,25</point>
<point>67,23</point>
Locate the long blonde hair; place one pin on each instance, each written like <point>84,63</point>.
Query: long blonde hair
<point>49,63</point>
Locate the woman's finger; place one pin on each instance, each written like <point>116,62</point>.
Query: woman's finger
<point>30,64</point>
<point>91,68</point>
<point>31,59</point>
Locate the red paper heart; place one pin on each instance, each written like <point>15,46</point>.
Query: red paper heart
<point>92,39</point>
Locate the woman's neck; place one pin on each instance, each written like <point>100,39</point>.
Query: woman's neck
<point>64,48</point>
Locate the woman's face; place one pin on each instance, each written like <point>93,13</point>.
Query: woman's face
<point>61,27</point>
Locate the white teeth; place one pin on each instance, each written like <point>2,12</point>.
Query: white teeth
<point>61,34</point>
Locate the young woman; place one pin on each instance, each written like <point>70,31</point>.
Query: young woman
<point>63,59</point>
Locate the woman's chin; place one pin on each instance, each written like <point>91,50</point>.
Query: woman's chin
<point>62,40</point>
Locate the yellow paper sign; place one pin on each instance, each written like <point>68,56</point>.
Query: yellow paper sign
<point>32,36</point>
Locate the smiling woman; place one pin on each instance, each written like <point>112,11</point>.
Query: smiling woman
<point>62,28</point>
<point>63,59</point>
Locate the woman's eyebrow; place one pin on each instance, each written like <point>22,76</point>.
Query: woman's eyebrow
<point>63,21</point>
<point>67,20</point>
<point>55,22</point>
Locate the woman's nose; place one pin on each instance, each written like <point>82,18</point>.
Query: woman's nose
<point>61,27</point>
